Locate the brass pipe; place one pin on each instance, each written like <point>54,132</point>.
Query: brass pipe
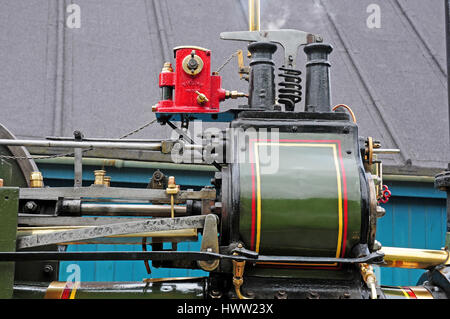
<point>253,15</point>
<point>414,258</point>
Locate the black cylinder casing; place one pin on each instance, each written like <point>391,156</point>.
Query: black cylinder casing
<point>318,89</point>
<point>262,76</point>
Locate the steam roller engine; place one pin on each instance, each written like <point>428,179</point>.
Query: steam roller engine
<point>290,213</point>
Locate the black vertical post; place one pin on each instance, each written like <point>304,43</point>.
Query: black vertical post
<point>318,88</point>
<point>262,76</point>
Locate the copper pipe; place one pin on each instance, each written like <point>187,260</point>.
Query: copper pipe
<point>348,109</point>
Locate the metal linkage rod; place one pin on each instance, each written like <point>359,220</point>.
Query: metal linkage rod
<point>149,225</point>
<point>52,221</point>
<point>177,255</point>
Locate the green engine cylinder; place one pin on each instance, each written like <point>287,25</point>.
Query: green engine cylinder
<point>299,189</point>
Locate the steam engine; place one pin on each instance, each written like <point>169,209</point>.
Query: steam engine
<point>291,212</point>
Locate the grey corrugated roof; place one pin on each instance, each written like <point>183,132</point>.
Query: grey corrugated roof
<point>103,78</point>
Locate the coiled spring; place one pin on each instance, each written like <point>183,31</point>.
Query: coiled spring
<point>290,91</point>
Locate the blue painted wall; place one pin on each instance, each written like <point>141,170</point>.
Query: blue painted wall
<point>415,218</point>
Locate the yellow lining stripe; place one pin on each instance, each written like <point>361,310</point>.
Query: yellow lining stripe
<point>404,293</point>
<point>74,290</point>
<point>258,186</point>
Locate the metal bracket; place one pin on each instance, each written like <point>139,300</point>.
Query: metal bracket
<point>78,161</point>
<point>289,39</point>
<point>210,242</point>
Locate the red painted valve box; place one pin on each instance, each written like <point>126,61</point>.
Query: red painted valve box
<point>196,89</point>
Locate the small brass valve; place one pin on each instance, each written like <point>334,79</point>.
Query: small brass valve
<point>201,98</point>
<point>172,189</point>
<point>234,94</point>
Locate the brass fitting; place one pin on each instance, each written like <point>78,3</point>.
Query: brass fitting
<point>369,278</point>
<point>1,182</point>
<point>172,189</point>
<point>36,180</point>
<point>238,274</point>
<point>99,177</point>
<point>107,181</point>
<point>167,67</point>
<point>234,94</point>
<point>201,98</point>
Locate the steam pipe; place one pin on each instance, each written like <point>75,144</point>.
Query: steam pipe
<point>119,163</point>
<point>253,15</point>
<point>69,144</point>
<point>155,146</point>
<point>130,209</point>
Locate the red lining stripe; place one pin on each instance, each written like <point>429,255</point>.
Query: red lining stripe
<point>252,242</point>
<point>410,292</point>
<point>67,290</point>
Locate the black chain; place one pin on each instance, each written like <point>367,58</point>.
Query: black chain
<point>227,61</point>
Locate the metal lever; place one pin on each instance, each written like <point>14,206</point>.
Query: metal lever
<point>210,242</point>
<point>289,39</point>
